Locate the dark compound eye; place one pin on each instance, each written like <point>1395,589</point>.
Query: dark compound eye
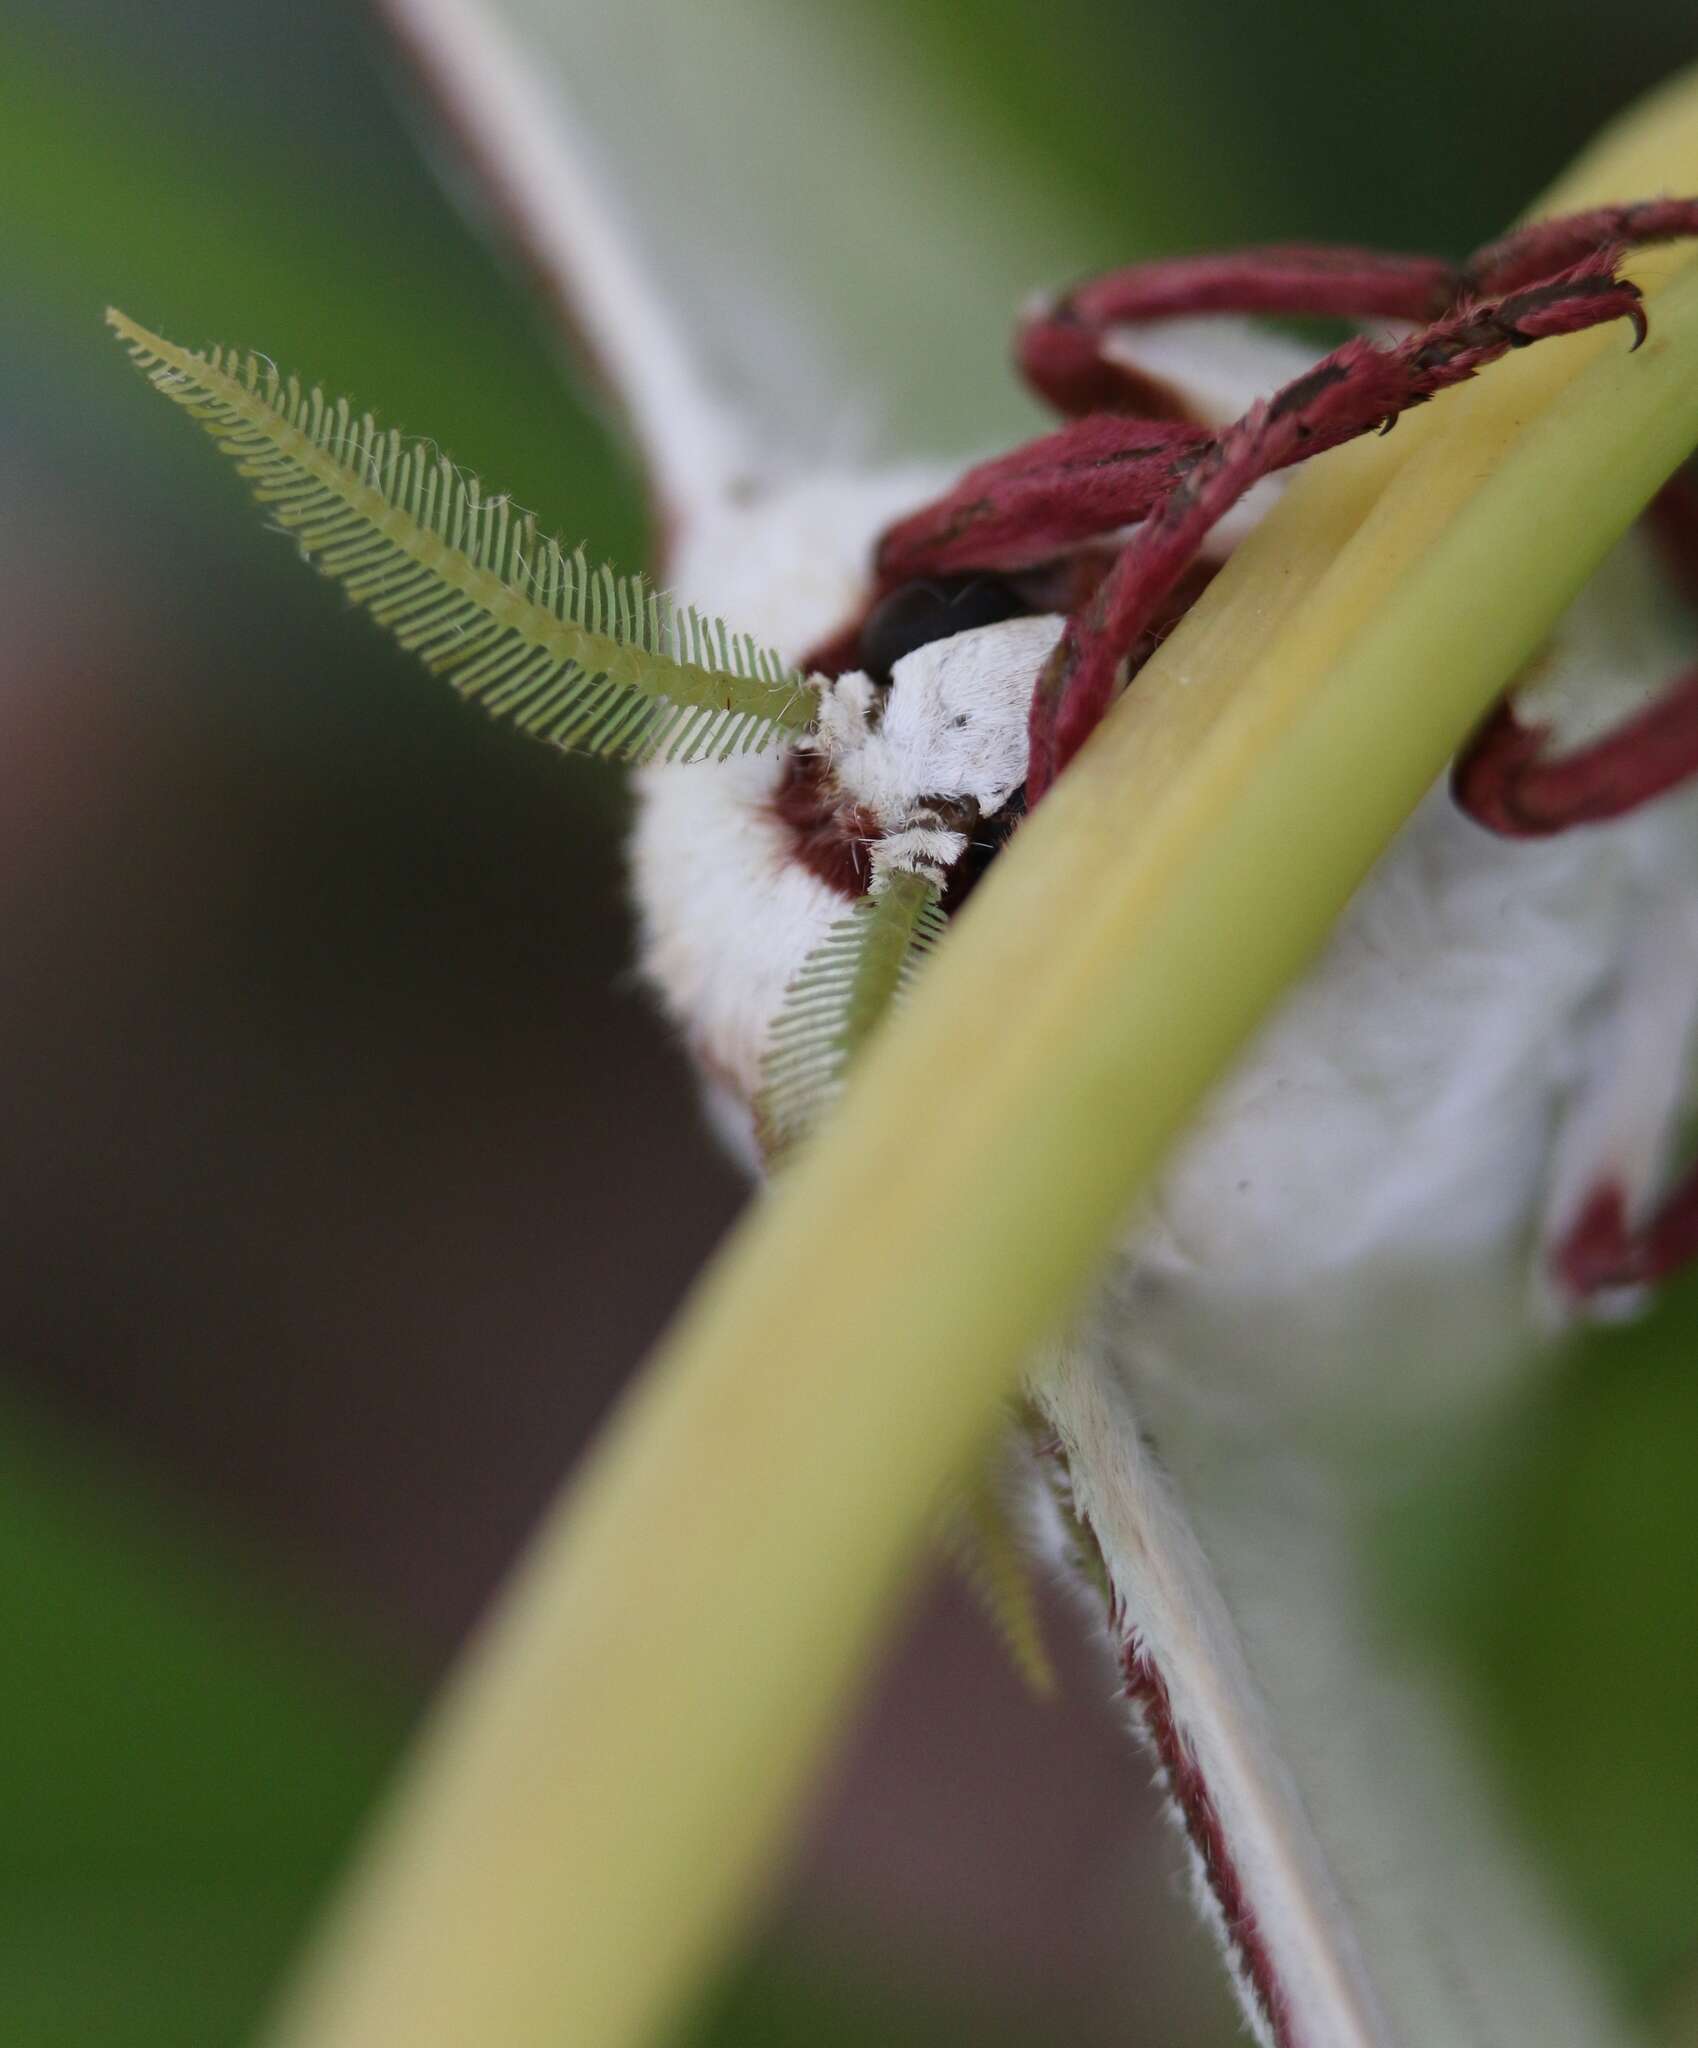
<point>933,608</point>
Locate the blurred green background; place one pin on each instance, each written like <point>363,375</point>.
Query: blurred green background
<point>345,1175</point>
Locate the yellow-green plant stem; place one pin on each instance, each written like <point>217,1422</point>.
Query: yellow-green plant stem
<point>608,1778</point>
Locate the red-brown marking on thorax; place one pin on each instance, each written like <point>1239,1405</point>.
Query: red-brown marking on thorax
<point>832,839</point>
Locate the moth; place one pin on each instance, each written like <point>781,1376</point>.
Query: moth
<point>1452,1139</point>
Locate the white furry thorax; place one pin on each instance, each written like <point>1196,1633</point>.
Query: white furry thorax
<point>728,914</point>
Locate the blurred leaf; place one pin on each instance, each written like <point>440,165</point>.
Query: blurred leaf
<point>193,221</point>
<point>800,2000</point>
<point>1560,1559</point>
<point>182,1766</point>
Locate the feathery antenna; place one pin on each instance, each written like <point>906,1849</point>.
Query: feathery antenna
<point>590,661</point>
<point>841,992</point>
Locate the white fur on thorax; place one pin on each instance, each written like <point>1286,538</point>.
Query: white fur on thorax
<point>955,722</point>
<point>728,915</point>
<point>789,561</point>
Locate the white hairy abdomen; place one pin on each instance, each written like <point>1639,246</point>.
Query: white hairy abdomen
<point>1362,1194</point>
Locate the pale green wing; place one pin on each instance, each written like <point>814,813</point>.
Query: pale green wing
<point>1343,1830</point>
<point>587,660</point>
<point>752,215</point>
<point>841,994</point>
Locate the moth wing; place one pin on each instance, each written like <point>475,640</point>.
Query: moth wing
<point>760,225</point>
<point>864,967</point>
<point>1377,1884</point>
<point>521,151</point>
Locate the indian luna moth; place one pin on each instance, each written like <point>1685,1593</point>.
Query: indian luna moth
<point>1450,1140</point>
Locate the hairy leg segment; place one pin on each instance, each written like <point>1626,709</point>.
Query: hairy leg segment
<point>1135,453</point>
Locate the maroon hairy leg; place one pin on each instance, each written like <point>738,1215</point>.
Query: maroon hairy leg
<point>1043,500</point>
<point>1509,780</point>
<point>1528,255</point>
<point>1355,390</point>
<point>1130,455</point>
<point>1606,1249</point>
<point>1059,347</point>
<point>1673,521</point>
<point>1554,277</point>
<point>1132,459</point>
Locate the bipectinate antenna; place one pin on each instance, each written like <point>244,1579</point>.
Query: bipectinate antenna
<point>863,967</point>
<point>590,661</point>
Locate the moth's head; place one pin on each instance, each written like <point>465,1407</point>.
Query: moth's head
<point>927,736</point>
